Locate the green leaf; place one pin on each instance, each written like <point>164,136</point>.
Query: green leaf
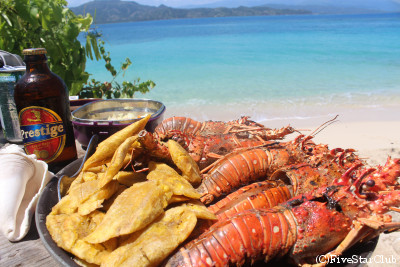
<point>44,19</point>
<point>6,19</point>
<point>57,13</point>
<point>88,47</point>
<point>95,47</point>
<point>50,24</point>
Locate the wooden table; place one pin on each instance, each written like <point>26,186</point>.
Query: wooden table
<point>27,252</point>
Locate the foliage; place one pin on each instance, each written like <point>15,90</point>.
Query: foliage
<point>50,24</point>
<point>113,89</point>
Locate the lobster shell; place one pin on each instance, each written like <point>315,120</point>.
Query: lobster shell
<point>253,235</point>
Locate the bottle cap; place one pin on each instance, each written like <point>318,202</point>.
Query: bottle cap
<point>34,51</point>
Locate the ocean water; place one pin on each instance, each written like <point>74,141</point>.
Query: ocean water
<point>264,67</point>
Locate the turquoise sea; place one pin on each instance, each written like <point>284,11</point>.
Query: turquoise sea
<point>265,67</point>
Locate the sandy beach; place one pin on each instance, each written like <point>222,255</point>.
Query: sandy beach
<point>374,134</point>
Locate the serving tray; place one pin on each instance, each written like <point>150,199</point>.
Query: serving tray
<point>49,198</point>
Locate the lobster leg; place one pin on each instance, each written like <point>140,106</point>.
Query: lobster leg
<point>363,229</point>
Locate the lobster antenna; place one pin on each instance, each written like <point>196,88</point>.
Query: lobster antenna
<point>315,133</point>
<point>323,126</point>
<point>394,209</point>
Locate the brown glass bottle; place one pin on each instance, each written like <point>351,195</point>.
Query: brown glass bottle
<point>42,102</point>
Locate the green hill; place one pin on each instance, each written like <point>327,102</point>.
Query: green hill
<point>124,11</point>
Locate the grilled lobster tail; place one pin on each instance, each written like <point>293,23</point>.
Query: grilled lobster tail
<point>252,234</point>
<point>265,234</point>
<point>306,164</point>
<point>260,195</point>
<point>241,167</point>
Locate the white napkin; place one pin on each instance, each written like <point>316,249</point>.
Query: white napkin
<point>22,179</point>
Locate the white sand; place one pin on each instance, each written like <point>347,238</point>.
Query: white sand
<point>373,140</point>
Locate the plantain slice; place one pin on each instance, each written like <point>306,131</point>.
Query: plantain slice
<point>68,231</point>
<point>199,209</point>
<point>129,178</point>
<point>168,176</point>
<point>86,192</point>
<point>156,242</point>
<point>96,200</point>
<point>132,210</point>
<point>107,148</point>
<point>184,162</point>
<point>117,161</point>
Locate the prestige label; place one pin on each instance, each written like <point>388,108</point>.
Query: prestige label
<point>43,132</point>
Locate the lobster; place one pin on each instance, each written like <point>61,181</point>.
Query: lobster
<point>259,195</point>
<point>265,194</point>
<point>282,185</point>
<point>208,141</point>
<point>242,127</point>
<point>204,150</point>
<point>249,165</point>
<point>326,221</point>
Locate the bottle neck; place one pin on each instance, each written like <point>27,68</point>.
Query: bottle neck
<point>36,63</point>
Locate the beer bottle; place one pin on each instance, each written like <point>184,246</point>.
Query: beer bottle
<point>42,102</point>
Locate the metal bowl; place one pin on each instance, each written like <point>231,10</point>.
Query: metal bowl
<point>106,117</point>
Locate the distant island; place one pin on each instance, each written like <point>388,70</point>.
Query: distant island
<point>128,11</point>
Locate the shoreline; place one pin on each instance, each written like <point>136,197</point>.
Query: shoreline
<point>278,114</point>
<point>372,132</point>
